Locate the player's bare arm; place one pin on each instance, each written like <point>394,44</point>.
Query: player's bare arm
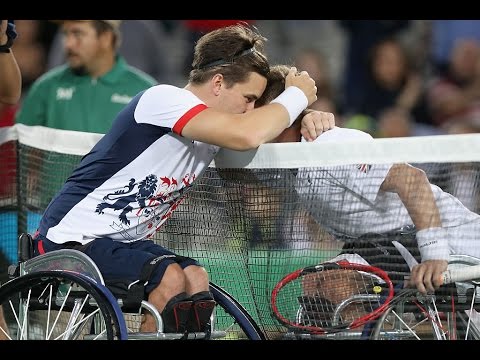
<point>10,76</point>
<point>412,186</point>
<point>258,126</point>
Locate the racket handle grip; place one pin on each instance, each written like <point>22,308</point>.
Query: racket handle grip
<point>461,274</point>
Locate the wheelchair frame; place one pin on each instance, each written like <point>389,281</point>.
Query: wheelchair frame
<point>62,295</point>
<point>413,316</point>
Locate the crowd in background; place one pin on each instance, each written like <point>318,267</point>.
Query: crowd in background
<point>388,77</point>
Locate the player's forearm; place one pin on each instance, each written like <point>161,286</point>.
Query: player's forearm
<point>422,208</point>
<point>237,131</point>
<point>250,129</point>
<point>412,186</point>
<point>268,123</point>
<point>10,79</point>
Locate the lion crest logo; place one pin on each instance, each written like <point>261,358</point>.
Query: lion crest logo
<point>121,199</point>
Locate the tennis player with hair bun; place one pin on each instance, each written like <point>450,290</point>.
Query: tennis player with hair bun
<point>129,184</point>
<point>383,199</point>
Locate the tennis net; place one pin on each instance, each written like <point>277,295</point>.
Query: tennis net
<point>256,215</point>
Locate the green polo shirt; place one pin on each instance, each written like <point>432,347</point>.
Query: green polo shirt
<point>62,100</point>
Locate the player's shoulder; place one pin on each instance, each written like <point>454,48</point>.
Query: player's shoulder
<point>168,92</point>
<point>165,98</point>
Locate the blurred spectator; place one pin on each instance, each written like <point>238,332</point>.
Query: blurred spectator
<point>392,81</point>
<point>361,122</point>
<point>143,45</point>
<point>95,84</point>
<point>444,35</point>
<point>314,62</point>
<point>455,96</point>
<point>30,58</point>
<point>10,74</point>
<point>361,36</point>
<point>397,122</point>
<point>83,95</point>
<point>29,51</point>
<point>287,38</point>
<point>195,29</point>
<point>394,122</point>
<point>10,91</point>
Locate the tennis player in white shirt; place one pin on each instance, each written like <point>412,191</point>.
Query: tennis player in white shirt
<point>361,199</point>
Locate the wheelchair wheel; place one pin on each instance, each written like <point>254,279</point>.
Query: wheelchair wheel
<point>428,318</point>
<point>60,305</point>
<point>397,324</point>
<point>449,314</point>
<point>233,318</point>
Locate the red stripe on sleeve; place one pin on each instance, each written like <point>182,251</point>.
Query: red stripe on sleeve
<point>178,127</point>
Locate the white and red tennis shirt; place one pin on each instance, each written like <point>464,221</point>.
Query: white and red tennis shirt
<point>135,176</point>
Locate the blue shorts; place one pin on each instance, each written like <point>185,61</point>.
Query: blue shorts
<point>117,261</point>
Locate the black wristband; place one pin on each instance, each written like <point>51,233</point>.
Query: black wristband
<point>5,48</point>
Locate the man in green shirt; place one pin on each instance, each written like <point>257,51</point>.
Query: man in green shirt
<point>88,91</point>
<point>84,95</point>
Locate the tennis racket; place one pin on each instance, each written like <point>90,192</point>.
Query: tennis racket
<point>337,296</point>
<point>331,297</point>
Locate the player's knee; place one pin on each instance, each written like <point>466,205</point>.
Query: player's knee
<point>174,278</point>
<point>197,275</point>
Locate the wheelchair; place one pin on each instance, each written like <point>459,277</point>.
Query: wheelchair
<point>61,295</point>
<point>451,313</point>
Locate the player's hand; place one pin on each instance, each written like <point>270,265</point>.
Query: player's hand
<point>7,31</point>
<point>427,276</point>
<point>304,82</point>
<point>315,122</point>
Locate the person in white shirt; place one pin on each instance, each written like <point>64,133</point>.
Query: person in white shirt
<point>132,180</point>
<point>380,199</point>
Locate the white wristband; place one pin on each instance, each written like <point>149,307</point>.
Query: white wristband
<point>294,101</point>
<point>433,244</point>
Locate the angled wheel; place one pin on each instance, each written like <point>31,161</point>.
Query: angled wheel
<point>443,316</point>
<point>233,318</point>
<point>398,324</point>
<point>60,305</point>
